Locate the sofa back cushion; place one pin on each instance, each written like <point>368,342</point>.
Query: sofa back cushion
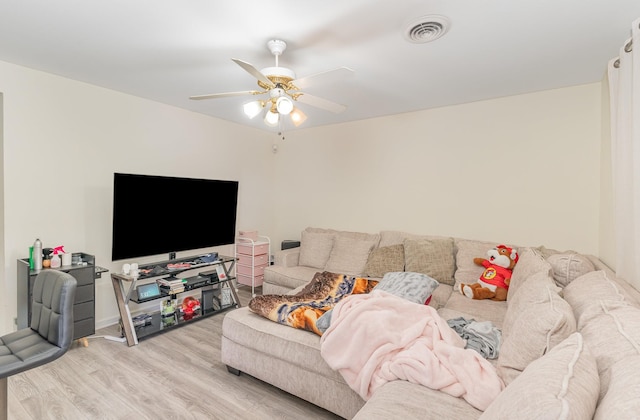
<point>315,249</point>
<point>349,255</point>
<point>433,257</point>
<point>568,266</point>
<point>611,329</point>
<point>537,319</point>
<point>621,398</point>
<point>466,250</point>
<point>562,384</point>
<point>363,236</point>
<point>530,262</point>
<point>581,294</point>
<point>395,237</point>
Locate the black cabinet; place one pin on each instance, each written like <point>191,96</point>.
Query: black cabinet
<point>84,305</point>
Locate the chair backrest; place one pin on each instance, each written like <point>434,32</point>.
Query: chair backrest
<point>52,307</point>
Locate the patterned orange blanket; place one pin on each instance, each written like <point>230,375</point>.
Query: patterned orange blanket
<point>303,309</point>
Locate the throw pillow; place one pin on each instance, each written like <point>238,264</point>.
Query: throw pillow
<point>384,260</point>
<point>569,266</point>
<point>563,384</point>
<point>537,319</point>
<point>433,257</point>
<point>349,255</point>
<point>315,249</point>
<point>414,287</point>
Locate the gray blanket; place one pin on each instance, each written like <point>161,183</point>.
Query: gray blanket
<point>482,337</point>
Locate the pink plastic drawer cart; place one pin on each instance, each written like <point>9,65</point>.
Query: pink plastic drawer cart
<point>252,254</point>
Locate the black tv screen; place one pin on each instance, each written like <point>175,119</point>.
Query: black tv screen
<point>158,214</point>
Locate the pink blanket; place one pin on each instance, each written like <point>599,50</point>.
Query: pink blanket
<point>378,337</point>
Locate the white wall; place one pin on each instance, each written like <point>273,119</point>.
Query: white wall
<point>522,170</point>
<point>63,140</point>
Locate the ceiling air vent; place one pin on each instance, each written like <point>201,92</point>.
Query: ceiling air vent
<point>427,29</point>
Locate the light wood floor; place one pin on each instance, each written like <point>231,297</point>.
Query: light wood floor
<point>175,375</point>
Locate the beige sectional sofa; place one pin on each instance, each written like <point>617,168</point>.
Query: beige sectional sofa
<point>570,343</point>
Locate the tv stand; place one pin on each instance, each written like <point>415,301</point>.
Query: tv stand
<point>212,296</point>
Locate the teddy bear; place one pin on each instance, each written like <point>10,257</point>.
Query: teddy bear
<point>494,281</point>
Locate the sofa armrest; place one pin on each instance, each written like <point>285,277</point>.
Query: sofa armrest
<point>287,257</point>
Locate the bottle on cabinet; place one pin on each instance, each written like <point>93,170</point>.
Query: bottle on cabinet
<point>56,262</point>
<point>37,255</point>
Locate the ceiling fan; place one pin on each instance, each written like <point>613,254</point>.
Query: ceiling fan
<point>284,89</point>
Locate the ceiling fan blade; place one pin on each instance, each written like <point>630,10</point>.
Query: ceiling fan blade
<point>321,103</point>
<point>225,94</point>
<point>326,77</point>
<point>253,71</point>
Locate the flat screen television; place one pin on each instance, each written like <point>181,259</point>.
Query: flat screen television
<point>159,214</point>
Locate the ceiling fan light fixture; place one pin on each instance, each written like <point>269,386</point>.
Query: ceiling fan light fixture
<point>279,73</point>
<point>284,105</point>
<point>271,118</point>
<point>283,88</point>
<point>297,117</point>
<point>252,109</point>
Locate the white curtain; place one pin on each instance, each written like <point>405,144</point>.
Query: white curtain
<point>624,85</point>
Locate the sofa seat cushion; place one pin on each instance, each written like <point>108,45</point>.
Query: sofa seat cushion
<point>563,384</point>
<point>289,277</point>
<point>441,296</point>
<point>297,347</point>
<point>406,400</point>
<point>480,310</point>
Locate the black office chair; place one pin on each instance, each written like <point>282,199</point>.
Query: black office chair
<point>50,334</point>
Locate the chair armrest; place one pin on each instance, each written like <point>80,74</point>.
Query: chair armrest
<point>287,257</point>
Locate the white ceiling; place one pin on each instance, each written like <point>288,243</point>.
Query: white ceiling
<point>168,50</point>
